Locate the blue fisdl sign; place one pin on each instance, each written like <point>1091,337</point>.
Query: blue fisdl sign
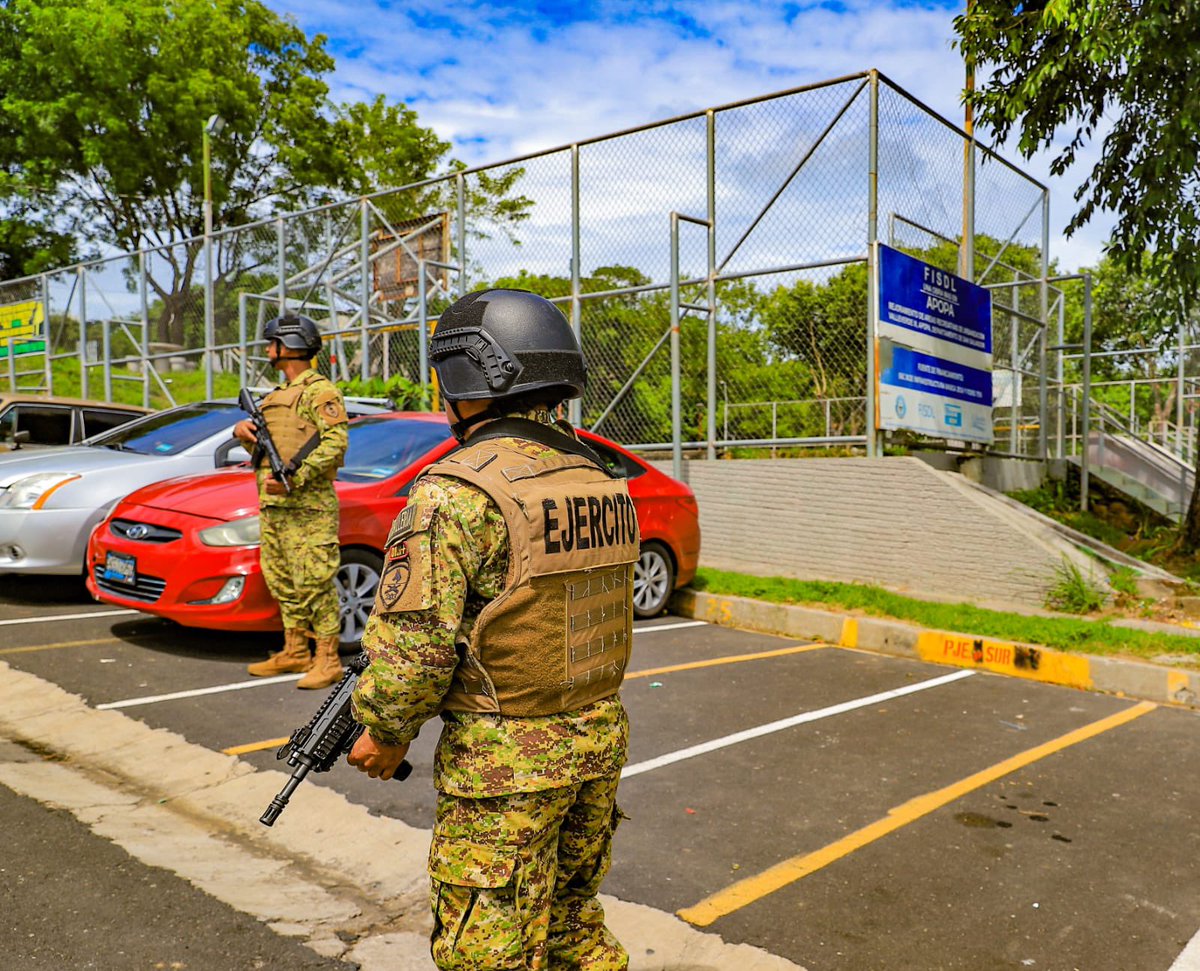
<point>935,350</point>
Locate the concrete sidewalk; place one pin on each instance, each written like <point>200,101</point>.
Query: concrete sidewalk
<point>350,885</point>
<point>1126,678</point>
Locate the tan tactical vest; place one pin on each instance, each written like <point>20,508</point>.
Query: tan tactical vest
<point>289,431</point>
<point>558,636</point>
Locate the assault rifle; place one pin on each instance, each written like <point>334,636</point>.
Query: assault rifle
<point>265,444</point>
<point>317,746</point>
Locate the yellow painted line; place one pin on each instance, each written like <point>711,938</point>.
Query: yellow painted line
<point>55,647</point>
<point>254,746</point>
<point>849,636</point>
<point>754,888</point>
<point>650,672</point>
<point>729,659</point>
<point>1002,657</point>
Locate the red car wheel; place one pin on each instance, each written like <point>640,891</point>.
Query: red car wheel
<point>357,580</point>
<point>653,580</point>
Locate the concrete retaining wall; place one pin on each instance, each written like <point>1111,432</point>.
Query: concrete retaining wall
<point>894,522</point>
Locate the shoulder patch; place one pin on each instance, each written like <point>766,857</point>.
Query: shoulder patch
<point>328,403</point>
<point>406,582</point>
<point>413,518</point>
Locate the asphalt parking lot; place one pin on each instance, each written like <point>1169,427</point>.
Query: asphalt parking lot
<point>840,809</point>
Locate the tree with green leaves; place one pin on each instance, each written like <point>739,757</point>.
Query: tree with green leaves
<point>1122,71</point>
<point>823,324</point>
<point>1119,70</point>
<point>29,243</point>
<point>103,105</point>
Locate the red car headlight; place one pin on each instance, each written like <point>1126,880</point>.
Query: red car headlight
<point>238,532</point>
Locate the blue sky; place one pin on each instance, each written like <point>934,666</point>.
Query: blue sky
<point>502,79</point>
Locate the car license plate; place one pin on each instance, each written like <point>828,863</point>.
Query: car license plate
<point>120,568</point>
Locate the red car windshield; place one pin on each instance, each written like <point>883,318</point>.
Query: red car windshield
<point>381,447</point>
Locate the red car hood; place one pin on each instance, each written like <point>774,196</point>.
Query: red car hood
<point>224,495</point>
<point>227,494</point>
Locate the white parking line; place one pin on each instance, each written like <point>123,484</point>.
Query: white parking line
<point>238,685</point>
<point>53,617</point>
<point>195,693</point>
<point>778,726</point>
<point>681,624</point>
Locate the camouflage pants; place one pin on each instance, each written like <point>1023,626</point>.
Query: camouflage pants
<point>515,878</point>
<point>299,556</point>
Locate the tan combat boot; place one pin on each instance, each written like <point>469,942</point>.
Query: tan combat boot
<point>326,668</point>
<point>292,659</point>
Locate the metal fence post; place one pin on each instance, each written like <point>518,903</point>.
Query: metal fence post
<point>1180,391</point>
<point>967,252</point>
<point>281,263</point>
<point>1085,432</point>
<point>365,256</point>
<point>45,288</point>
<point>106,354</point>
<point>1014,355</point>
<point>1044,307</point>
<point>144,300</point>
<point>243,349</point>
<point>575,408</point>
<point>461,188</point>
<point>1060,376</point>
<point>872,402</point>
<point>208,358</point>
<point>711,179</point>
<point>83,361</point>
<point>676,403</point>
<point>422,326</point>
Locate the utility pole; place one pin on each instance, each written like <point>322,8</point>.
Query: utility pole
<point>212,128</point>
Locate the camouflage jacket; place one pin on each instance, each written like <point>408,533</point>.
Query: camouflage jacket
<point>456,566</point>
<point>322,405</point>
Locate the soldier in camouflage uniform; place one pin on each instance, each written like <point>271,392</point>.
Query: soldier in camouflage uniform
<point>299,551</point>
<point>505,606</point>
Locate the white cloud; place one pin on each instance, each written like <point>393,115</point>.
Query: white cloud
<point>504,79</point>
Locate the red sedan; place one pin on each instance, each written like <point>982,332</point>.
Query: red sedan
<point>187,548</point>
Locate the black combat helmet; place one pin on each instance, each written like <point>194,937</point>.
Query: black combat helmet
<point>502,344</point>
<point>294,332</point>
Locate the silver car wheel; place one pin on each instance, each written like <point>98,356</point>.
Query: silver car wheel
<point>653,580</point>
<point>357,580</point>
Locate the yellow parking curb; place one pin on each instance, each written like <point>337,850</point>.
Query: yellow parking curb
<point>1033,662</point>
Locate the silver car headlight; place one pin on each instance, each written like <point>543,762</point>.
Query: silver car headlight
<point>32,491</point>
<point>239,532</point>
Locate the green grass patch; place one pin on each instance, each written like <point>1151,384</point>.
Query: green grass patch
<point>185,386</point>
<point>1063,633</point>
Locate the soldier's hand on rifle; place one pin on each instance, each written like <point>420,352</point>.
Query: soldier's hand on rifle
<point>376,759</point>
<point>244,432</point>
<point>275,488</point>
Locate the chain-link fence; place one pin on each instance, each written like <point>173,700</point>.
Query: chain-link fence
<point>716,266</point>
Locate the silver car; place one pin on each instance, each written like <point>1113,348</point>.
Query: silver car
<point>50,500</point>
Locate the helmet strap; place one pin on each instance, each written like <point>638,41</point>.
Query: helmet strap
<point>462,426</point>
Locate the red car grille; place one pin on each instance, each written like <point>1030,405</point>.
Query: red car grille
<point>144,532</point>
